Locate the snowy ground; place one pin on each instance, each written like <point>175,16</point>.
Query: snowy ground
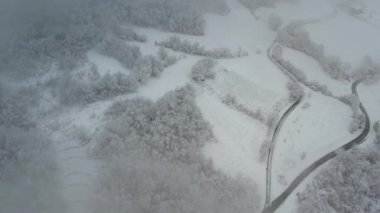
<point>371,103</point>
<point>314,72</point>
<point>69,132</point>
<point>317,126</point>
<point>347,37</point>
<point>105,64</point>
<point>299,11</point>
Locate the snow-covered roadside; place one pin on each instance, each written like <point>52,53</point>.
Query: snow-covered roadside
<point>314,129</point>
<point>371,103</point>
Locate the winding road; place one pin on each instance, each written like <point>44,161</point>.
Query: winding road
<point>276,132</point>
<point>272,206</point>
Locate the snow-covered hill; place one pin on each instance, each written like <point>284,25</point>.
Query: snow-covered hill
<point>144,71</point>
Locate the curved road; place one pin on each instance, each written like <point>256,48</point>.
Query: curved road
<point>358,140</point>
<point>275,133</point>
<point>273,144</point>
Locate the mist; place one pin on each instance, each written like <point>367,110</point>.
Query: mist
<point>167,106</point>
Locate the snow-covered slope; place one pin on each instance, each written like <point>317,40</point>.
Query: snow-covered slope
<point>320,124</point>
<point>311,131</point>
<point>347,37</point>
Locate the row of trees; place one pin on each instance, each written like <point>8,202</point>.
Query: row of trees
<point>231,101</point>
<point>194,48</point>
<point>154,161</point>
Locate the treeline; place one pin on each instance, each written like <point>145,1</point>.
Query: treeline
<point>154,163</point>
<point>294,36</point>
<point>298,74</point>
<point>194,48</point>
<point>67,30</point>
<point>349,183</point>
<point>85,85</point>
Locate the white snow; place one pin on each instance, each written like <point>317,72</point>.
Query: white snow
<point>314,72</point>
<point>308,134</point>
<point>175,76</point>
<point>238,140</point>
<point>347,37</point>
<point>105,64</point>
<point>299,11</point>
<point>77,168</point>
<point>371,102</point>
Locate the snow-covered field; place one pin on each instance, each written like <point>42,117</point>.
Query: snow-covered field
<point>317,126</point>
<point>347,37</point>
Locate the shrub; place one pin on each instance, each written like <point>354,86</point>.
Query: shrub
<point>121,51</point>
<point>164,57</point>
<point>358,121</point>
<point>376,127</point>
<point>147,67</point>
<point>127,34</point>
<point>203,70</point>
<point>295,91</point>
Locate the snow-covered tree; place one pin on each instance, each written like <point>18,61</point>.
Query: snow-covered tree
<point>203,70</point>
<point>296,37</point>
<point>295,91</point>
<point>348,184</point>
<point>367,68</point>
<point>194,48</point>
<point>126,54</point>
<point>154,161</point>
<point>147,67</point>
<point>376,127</point>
